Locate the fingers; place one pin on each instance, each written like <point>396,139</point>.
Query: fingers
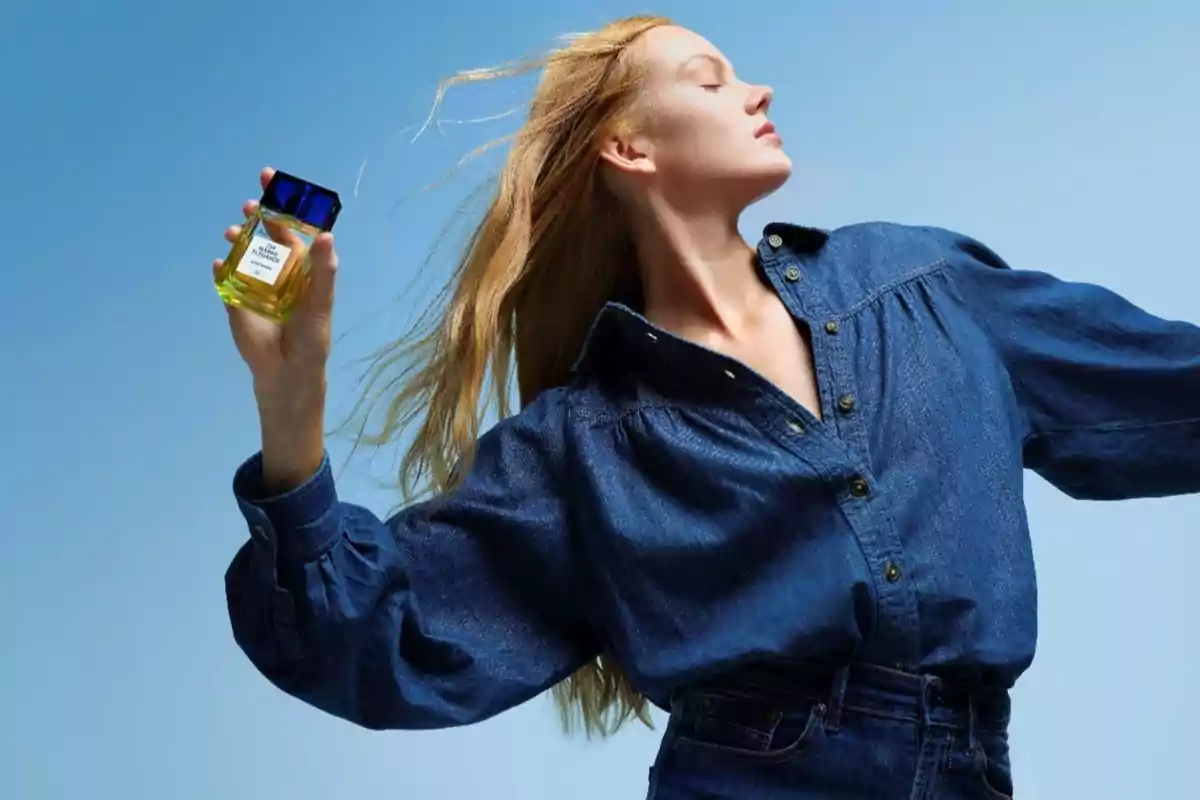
<point>317,299</point>
<point>283,233</point>
<point>249,207</point>
<point>323,265</point>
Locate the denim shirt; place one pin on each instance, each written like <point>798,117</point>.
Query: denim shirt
<point>675,509</point>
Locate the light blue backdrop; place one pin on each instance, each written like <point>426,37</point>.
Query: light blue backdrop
<point>1064,135</point>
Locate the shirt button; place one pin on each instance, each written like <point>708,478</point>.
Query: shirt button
<point>792,274</point>
<point>775,240</point>
<point>892,572</point>
<point>859,488</point>
<point>831,327</point>
<point>846,403</point>
<point>795,427</point>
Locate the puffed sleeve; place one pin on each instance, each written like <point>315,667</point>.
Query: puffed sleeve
<point>449,612</point>
<point>1110,392</point>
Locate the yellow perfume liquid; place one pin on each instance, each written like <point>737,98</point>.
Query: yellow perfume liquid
<point>267,268</point>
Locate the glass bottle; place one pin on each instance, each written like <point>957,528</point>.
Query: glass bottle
<point>267,268</point>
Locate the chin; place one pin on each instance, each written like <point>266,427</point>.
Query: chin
<point>770,176</point>
<point>771,164</point>
<point>780,162</point>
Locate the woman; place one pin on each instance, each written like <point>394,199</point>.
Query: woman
<point>775,488</point>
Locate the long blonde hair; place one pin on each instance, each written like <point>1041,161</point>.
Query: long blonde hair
<point>550,250</point>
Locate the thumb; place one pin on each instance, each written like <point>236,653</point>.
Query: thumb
<point>323,265</point>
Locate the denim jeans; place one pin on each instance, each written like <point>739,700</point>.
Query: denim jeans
<point>857,733</point>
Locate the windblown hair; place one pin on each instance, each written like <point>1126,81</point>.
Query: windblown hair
<point>550,251</point>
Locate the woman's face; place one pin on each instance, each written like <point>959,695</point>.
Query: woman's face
<point>701,132</point>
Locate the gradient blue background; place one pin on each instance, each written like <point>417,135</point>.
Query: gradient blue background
<point>1061,134</point>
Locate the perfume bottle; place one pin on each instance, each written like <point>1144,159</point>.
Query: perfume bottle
<point>267,268</point>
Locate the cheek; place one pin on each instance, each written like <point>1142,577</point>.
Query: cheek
<point>701,138</point>
<point>688,117</point>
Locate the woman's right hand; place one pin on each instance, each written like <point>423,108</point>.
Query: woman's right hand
<point>287,363</point>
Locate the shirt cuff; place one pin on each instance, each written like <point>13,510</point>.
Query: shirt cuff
<point>298,524</point>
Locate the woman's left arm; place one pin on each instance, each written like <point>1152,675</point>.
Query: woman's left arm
<point>1111,393</point>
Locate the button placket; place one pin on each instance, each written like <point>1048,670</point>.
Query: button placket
<point>837,383</point>
<point>863,500</point>
<point>897,601</point>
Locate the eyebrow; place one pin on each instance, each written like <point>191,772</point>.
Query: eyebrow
<point>721,66</point>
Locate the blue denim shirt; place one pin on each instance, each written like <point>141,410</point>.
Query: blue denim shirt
<point>674,508</point>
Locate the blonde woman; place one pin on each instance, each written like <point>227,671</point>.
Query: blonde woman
<point>773,488</point>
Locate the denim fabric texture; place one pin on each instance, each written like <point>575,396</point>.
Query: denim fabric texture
<point>674,508</point>
<point>862,732</point>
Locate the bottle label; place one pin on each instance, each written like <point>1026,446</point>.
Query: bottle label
<point>264,259</point>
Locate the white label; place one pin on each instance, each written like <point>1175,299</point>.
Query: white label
<point>264,259</point>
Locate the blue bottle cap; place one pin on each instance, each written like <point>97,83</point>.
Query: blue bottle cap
<point>307,202</point>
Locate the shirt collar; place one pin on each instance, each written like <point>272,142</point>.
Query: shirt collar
<point>619,322</point>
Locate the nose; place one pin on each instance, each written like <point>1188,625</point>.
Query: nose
<point>759,100</point>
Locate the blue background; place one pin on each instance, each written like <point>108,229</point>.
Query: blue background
<point>1063,135</point>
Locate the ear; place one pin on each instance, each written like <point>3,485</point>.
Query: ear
<point>632,155</point>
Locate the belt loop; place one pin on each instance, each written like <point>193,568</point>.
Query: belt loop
<point>837,697</point>
<point>973,720</point>
<point>675,703</point>
<point>926,706</point>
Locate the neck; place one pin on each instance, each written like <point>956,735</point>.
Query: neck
<point>698,274</point>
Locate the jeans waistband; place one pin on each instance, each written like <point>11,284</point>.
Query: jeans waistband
<point>863,688</point>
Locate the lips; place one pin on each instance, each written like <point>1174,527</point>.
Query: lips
<point>766,129</point>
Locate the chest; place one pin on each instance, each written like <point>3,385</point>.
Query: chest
<point>781,351</point>
<point>933,428</point>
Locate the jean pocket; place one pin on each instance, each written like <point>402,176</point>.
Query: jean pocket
<point>715,725</point>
